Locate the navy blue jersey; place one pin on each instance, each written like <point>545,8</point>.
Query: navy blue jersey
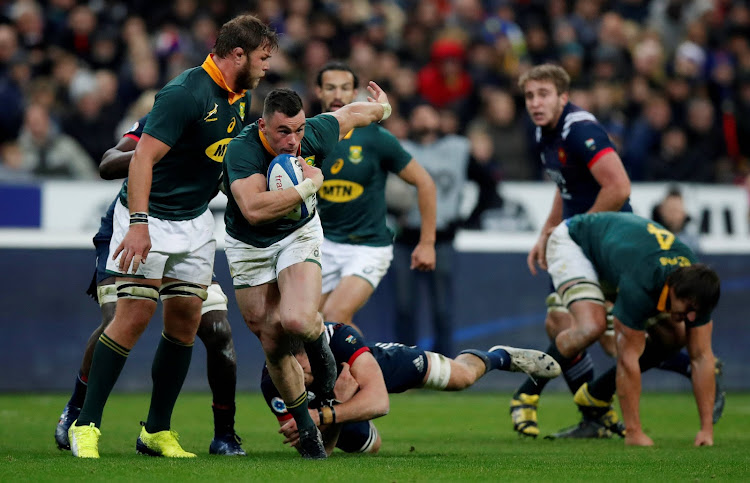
<point>403,367</point>
<point>568,152</point>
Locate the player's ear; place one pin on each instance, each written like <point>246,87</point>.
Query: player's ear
<point>237,54</point>
<point>564,97</point>
<point>262,125</point>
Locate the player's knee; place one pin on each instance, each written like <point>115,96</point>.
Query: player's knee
<point>215,332</point>
<point>375,448</point>
<point>301,324</point>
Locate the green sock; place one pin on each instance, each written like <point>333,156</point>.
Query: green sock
<point>168,372</point>
<point>107,363</point>
<point>298,410</point>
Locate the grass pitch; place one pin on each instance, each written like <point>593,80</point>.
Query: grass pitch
<point>426,436</point>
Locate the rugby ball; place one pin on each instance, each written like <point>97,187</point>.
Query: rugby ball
<point>284,172</point>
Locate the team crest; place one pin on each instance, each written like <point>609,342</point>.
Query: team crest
<point>278,405</point>
<point>355,154</point>
<point>242,111</point>
<point>310,160</point>
<point>351,339</point>
<point>562,155</point>
<point>590,144</point>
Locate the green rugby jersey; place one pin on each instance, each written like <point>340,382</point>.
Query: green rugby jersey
<point>352,198</point>
<point>635,255</point>
<point>249,153</point>
<point>196,114</point>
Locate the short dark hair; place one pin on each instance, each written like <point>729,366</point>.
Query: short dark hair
<point>697,283</point>
<point>282,100</point>
<point>247,32</point>
<point>336,65</point>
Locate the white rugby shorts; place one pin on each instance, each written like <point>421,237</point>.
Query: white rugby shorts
<point>565,259</point>
<point>343,259</point>
<point>252,266</point>
<point>183,250</point>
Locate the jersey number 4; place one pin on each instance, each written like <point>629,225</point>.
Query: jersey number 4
<point>664,238</point>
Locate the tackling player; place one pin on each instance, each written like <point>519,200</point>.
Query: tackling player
<point>369,372</point>
<point>653,273</point>
<point>214,329</point>
<point>275,261</point>
<point>163,205</point>
<point>358,246</point>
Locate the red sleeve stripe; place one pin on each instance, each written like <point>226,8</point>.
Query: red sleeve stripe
<point>132,136</point>
<point>599,155</point>
<point>285,417</point>
<point>359,352</point>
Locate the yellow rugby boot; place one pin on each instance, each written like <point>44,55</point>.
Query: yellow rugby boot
<point>597,410</point>
<point>84,440</point>
<point>163,443</point>
<point>523,413</point>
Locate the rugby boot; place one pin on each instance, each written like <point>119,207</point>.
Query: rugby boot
<point>720,397</point>
<point>599,411</point>
<point>227,445</point>
<point>311,444</point>
<point>523,410</point>
<point>162,443</point>
<point>586,429</point>
<point>84,440</point>
<point>533,363</point>
<point>69,414</point>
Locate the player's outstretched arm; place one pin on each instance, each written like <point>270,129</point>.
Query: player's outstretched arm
<point>116,160</point>
<point>630,345</point>
<point>371,401</point>
<point>702,363</point>
<point>361,114</point>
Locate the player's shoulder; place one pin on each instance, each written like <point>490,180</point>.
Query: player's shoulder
<point>578,121</point>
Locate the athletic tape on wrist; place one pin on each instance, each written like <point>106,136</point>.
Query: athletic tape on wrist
<point>306,188</point>
<point>387,110</point>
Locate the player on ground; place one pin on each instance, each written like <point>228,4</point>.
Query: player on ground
<point>214,329</point>
<point>275,261</point>
<point>358,246</point>
<point>174,173</point>
<point>653,272</point>
<point>369,372</point>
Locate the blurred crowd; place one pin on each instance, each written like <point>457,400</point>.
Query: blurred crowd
<point>669,79</point>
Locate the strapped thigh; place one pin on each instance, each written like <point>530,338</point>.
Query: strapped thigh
<point>554,303</point>
<point>583,290</point>
<point>182,289</point>
<point>136,291</point>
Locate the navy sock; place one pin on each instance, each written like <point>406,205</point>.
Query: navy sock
<point>223,419</point>
<point>581,370</point>
<point>79,392</point>
<point>679,363</point>
<point>499,359</point>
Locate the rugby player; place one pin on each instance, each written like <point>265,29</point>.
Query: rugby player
<point>579,157</point>
<point>653,273</point>
<point>174,173</point>
<point>369,372</point>
<point>358,246</point>
<point>214,329</point>
<point>275,260</point>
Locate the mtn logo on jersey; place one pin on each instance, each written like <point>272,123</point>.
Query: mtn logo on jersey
<point>340,190</point>
<point>217,150</point>
<point>212,112</point>
<point>355,154</point>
